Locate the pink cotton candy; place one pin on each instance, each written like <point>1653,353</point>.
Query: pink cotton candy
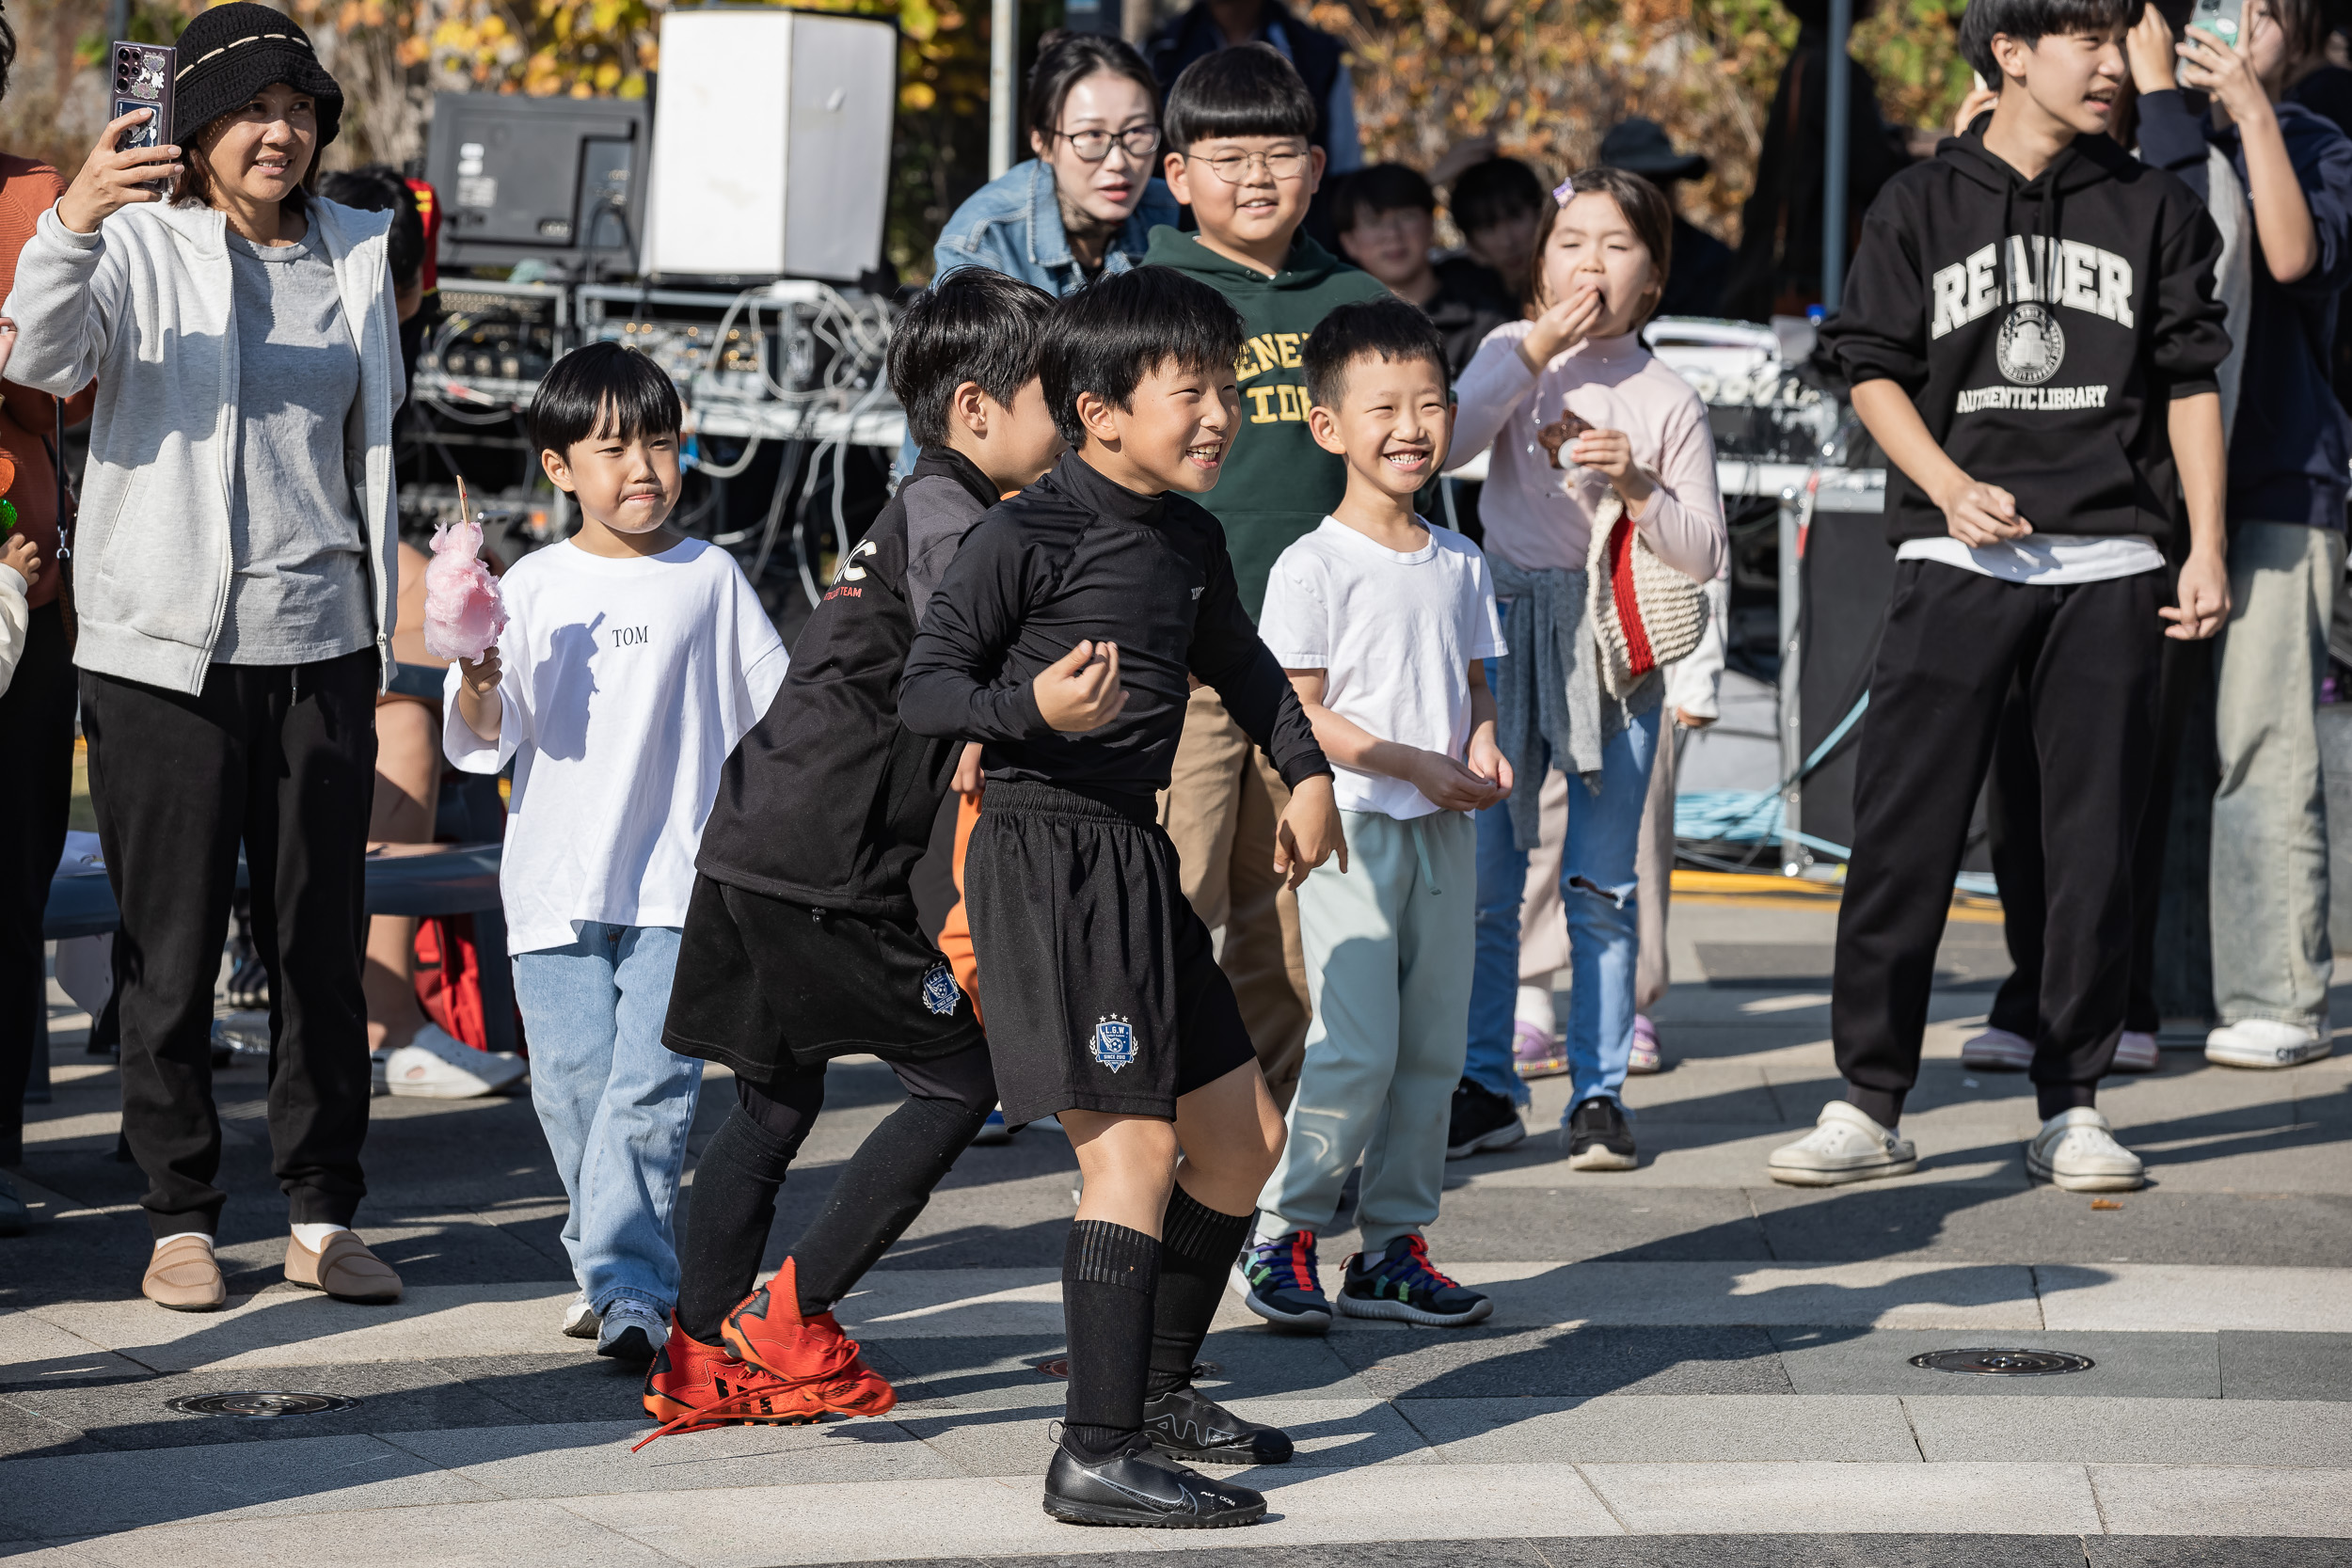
<point>463,612</point>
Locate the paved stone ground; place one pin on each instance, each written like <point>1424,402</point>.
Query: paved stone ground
<point>1688,1365</point>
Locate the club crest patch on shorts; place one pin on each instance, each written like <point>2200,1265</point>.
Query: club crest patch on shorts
<point>1114,1042</point>
<point>940,991</point>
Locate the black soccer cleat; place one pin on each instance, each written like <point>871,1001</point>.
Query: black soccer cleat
<point>1186,1424</point>
<point>1139,1488</point>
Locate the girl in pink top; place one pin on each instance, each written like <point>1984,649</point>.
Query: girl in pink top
<point>1571,407</point>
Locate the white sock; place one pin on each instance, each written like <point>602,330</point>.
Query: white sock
<point>161,1241</point>
<point>314,1236</point>
<point>1534,1007</point>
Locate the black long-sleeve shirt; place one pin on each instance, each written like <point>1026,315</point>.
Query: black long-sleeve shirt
<point>829,801</point>
<point>1075,557</point>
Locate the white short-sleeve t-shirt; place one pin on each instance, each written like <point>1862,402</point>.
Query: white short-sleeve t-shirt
<point>624,685</point>
<point>1394,635</point>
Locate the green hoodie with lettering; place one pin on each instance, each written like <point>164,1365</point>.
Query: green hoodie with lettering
<point>1277,484</point>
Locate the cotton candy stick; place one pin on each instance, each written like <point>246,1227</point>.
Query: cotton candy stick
<point>463,612</point>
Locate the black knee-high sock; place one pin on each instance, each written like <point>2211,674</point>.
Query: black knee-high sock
<point>726,1223</point>
<point>1109,1275</point>
<point>1198,1247</point>
<point>878,1193</point>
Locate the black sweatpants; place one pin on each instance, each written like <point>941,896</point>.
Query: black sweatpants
<point>2085,660</point>
<point>36,731</point>
<point>282,759</point>
<point>2014,819</point>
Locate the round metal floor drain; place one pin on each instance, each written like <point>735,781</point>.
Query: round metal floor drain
<point>264,1407</point>
<point>2004,1363</point>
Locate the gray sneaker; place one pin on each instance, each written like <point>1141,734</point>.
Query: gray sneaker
<point>1844,1146</point>
<point>630,1330</point>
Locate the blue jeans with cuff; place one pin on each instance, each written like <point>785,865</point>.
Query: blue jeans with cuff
<point>615,1102</point>
<point>1597,882</point>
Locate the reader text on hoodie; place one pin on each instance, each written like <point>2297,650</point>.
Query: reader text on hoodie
<point>2042,326</point>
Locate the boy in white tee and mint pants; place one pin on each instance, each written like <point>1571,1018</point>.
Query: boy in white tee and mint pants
<point>639,658</point>
<point>1381,622</point>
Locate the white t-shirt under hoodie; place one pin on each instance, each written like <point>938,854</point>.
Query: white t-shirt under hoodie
<point>625,683</point>
<point>1394,635</point>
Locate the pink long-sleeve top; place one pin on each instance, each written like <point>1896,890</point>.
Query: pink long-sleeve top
<point>1539,517</point>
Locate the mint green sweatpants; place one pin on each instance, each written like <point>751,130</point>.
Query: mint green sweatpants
<point>1388,947</point>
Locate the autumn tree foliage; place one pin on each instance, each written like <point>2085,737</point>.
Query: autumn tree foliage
<point>1547,79</point>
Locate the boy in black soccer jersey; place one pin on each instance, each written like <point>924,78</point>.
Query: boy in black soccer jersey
<point>1063,636</point>
<point>801,942</point>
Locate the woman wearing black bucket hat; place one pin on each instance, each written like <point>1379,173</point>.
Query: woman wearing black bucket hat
<point>234,586</point>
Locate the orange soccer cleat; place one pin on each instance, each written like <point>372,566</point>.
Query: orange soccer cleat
<point>692,1386</point>
<point>811,1354</point>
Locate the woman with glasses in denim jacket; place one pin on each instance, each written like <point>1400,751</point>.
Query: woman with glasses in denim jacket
<point>1086,204</point>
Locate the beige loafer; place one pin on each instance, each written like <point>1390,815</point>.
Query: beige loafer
<point>184,1275</point>
<point>343,1268</point>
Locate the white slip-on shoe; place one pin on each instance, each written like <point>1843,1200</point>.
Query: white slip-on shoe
<point>2076,1150</point>
<point>2134,1052</point>
<point>436,1065</point>
<point>2265,1042</point>
<point>579,1319</point>
<point>1844,1146</point>
<point>1997,1050</point>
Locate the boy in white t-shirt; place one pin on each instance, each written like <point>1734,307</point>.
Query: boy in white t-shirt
<point>641,657</point>
<point>1381,622</point>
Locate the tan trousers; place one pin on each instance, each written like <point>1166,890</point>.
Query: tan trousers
<point>1544,924</point>
<point>1221,809</point>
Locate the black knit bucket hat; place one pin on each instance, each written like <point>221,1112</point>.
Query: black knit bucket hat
<point>232,52</point>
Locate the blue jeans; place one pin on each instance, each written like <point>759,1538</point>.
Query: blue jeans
<point>615,1102</point>
<point>1598,881</point>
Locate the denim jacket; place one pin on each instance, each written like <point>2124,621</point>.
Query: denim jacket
<point>1013,225</point>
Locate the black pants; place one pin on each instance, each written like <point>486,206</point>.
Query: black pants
<point>281,759</point>
<point>2084,660</point>
<point>37,730</point>
<point>2014,819</point>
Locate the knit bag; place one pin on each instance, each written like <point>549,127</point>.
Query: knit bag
<point>1645,614</point>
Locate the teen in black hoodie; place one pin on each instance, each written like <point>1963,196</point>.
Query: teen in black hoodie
<point>2031,334</point>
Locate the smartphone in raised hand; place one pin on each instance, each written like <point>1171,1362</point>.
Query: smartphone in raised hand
<point>143,75</point>
<point>2223,18</point>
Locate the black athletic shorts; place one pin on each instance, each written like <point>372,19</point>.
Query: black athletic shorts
<point>766,987</point>
<point>1102,991</point>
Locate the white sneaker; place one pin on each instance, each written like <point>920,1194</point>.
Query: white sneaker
<point>2076,1150</point>
<point>579,1319</point>
<point>1997,1050</point>
<point>2265,1042</point>
<point>436,1065</point>
<point>1844,1146</point>
<point>2134,1052</point>
<point>630,1331</point>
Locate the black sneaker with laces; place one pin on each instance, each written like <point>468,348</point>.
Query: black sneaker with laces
<point>1598,1138</point>
<point>1482,1120</point>
<point>1137,1486</point>
<point>1186,1424</point>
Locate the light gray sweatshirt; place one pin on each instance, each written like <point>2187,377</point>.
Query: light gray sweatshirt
<point>147,306</point>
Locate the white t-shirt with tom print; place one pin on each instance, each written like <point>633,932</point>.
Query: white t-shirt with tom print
<point>625,684</point>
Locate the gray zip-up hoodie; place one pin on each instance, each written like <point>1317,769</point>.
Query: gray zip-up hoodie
<point>146,307</point>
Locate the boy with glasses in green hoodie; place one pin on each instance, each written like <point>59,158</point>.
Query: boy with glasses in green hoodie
<point>1238,126</point>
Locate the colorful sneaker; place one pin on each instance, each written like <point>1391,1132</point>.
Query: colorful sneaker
<point>1997,1050</point>
<point>1536,1052</point>
<point>813,1353</point>
<point>1401,1283</point>
<point>1481,1120</point>
<point>1281,1285</point>
<point>2134,1052</point>
<point>692,1386</point>
<point>1644,1059</point>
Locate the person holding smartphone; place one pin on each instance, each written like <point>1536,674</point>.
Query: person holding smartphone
<point>234,607</point>
<point>2289,448</point>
